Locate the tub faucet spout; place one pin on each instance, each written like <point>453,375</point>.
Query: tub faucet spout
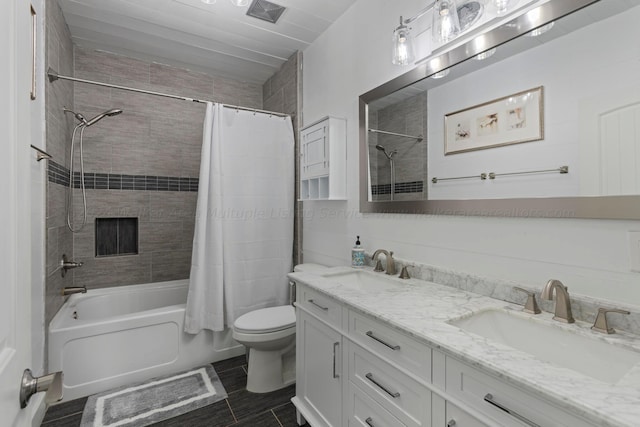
<point>74,290</point>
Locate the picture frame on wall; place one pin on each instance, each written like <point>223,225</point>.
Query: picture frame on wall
<point>512,119</point>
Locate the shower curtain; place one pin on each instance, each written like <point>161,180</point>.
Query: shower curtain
<point>242,245</point>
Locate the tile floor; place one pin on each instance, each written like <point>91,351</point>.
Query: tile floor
<point>240,409</point>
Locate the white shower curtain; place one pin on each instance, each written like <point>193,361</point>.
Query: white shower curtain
<point>242,246</point>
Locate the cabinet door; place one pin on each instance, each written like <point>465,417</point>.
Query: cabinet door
<point>320,379</point>
<point>314,146</point>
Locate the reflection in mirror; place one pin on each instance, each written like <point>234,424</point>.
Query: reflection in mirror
<point>585,144</point>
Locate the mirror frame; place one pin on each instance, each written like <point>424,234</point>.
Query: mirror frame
<point>593,207</point>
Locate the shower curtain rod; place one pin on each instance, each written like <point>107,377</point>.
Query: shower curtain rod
<point>53,76</point>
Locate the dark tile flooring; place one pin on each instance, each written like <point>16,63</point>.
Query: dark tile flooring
<point>241,408</point>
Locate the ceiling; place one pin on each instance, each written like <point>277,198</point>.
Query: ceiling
<point>214,38</point>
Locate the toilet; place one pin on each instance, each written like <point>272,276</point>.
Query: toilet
<point>270,336</point>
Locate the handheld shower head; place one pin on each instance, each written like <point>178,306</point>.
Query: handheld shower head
<point>109,113</point>
<point>389,155</point>
<point>78,116</point>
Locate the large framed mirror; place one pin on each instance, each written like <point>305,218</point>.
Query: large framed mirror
<point>547,126</point>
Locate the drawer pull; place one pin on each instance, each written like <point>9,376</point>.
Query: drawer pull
<point>393,394</point>
<point>451,423</point>
<point>335,346</point>
<point>369,422</point>
<point>489,399</point>
<point>318,305</point>
<point>381,341</point>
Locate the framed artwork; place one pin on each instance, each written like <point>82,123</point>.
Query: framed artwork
<point>508,120</point>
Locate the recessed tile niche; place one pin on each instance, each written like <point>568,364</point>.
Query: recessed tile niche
<point>116,236</point>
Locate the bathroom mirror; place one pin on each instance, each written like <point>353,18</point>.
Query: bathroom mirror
<point>424,147</point>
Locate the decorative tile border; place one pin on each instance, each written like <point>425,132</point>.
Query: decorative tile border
<point>400,187</point>
<point>59,174</point>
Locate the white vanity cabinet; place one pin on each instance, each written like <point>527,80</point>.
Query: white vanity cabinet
<point>357,370</point>
<point>323,160</point>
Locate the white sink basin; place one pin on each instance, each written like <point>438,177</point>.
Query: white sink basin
<point>362,280</point>
<point>591,357</point>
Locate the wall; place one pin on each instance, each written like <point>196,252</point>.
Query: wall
<point>590,256</point>
<point>144,162</point>
<point>282,93</point>
<point>59,56</point>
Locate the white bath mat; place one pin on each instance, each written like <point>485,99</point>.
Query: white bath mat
<point>154,400</point>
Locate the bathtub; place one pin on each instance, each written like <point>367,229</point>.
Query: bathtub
<point>111,337</point>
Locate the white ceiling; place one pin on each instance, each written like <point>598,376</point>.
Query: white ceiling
<point>214,38</point>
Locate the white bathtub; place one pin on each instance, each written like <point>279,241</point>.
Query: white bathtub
<point>115,336</point>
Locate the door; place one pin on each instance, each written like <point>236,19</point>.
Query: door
<point>321,375</point>
<point>15,282</point>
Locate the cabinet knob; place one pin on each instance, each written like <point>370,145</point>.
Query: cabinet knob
<point>451,423</point>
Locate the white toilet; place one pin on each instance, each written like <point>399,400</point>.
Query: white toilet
<point>270,336</point>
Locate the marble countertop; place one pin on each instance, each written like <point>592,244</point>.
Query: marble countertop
<point>422,310</point>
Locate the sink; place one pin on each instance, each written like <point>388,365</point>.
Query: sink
<point>362,280</point>
<point>589,356</point>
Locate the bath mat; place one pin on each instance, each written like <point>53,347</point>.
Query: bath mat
<point>155,400</point>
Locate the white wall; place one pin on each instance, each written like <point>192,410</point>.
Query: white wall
<point>353,56</point>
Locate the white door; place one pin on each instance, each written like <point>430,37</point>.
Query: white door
<point>15,266</point>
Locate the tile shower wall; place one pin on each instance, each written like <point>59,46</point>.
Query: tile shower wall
<point>59,240</point>
<point>282,92</point>
<point>144,162</point>
<point>410,118</point>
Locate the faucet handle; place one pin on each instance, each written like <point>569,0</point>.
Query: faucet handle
<point>601,325</point>
<point>531,306</point>
<point>404,273</point>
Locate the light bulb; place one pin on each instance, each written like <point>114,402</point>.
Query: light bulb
<point>402,45</point>
<point>446,25</point>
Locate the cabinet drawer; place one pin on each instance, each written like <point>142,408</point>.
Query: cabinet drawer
<point>404,397</point>
<point>365,412</point>
<point>504,403</point>
<point>322,306</point>
<point>458,418</point>
<point>399,348</point>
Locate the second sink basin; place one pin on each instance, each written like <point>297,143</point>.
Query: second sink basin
<point>592,357</point>
<point>362,280</point>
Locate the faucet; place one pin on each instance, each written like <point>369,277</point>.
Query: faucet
<point>67,264</point>
<point>74,290</point>
<point>391,265</point>
<point>563,304</point>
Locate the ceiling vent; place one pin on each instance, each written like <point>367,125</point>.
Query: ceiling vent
<point>265,10</point>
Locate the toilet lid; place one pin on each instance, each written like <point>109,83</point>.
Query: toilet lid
<point>265,320</point>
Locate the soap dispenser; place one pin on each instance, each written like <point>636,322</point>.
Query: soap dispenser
<point>357,254</point>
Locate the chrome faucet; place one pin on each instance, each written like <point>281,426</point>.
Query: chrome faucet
<point>74,290</point>
<point>391,265</point>
<point>67,264</point>
<point>563,304</point>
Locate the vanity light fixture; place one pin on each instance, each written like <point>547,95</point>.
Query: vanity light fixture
<point>440,74</point>
<point>446,25</point>
<point>402,45</point>
<point>541,30</point>
<point>502,6</point>
<point>449,21</point>
<point>486,54</point>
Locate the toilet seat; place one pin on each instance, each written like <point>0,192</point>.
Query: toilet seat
<point>266,320</point>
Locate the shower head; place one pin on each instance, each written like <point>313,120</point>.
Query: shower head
<point>389,155</point>
<point>109,113</point>
<point>78,116</point>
